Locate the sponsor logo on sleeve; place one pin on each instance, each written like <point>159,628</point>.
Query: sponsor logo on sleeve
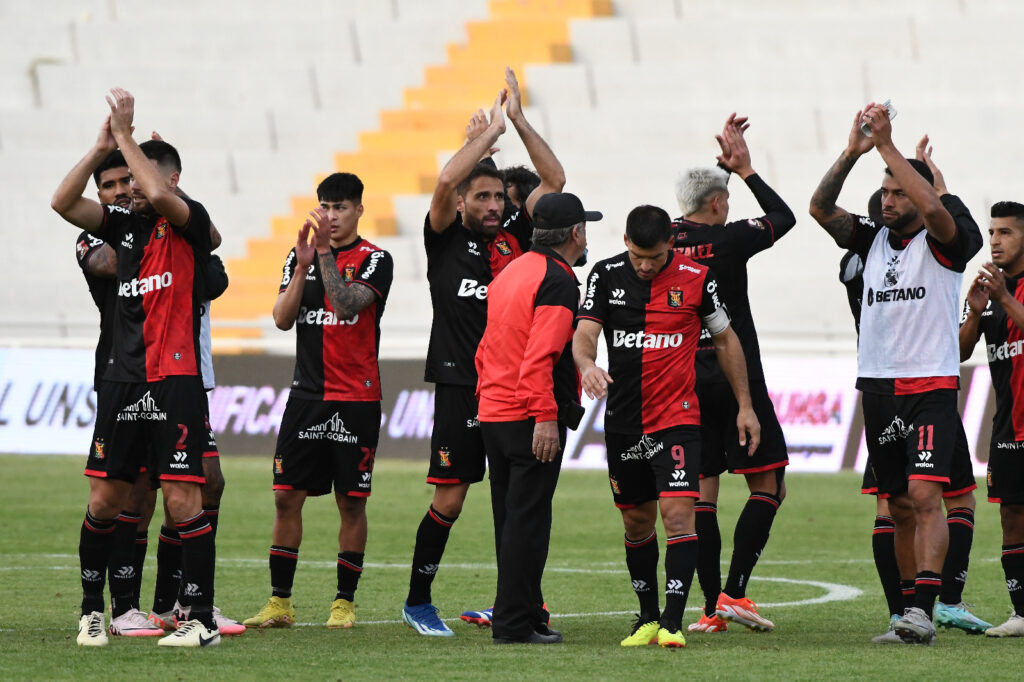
<point>372,267</point>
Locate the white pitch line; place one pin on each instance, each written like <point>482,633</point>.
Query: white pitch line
<point>833,592</point>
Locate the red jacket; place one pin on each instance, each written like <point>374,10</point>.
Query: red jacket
<point>524,361</point>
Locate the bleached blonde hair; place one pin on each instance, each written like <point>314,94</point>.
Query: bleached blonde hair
<point>696,185</point>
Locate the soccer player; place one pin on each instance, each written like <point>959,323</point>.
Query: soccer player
<point>651,302</point>
<point>908,355</point>
<point>98,262</point>
<point>334,290</point>
<point>705,234</point>
<point>472,232</point>
<point>528,395</point>
<point>957,496</point>
<point>995,308</point>
<point>152,392</point>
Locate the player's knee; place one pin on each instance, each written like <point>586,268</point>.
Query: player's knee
<point>637,526</point>
<point>351,508</point>
<point>926,499</point>
<point>1012,518</point>
<point>901,507</point>
<point>287,503</point>
<point>965,501</point>
<point>678,518</point>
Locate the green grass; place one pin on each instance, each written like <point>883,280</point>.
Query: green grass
<point>822,534</point>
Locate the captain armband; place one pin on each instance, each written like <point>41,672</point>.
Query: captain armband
<point>717,322</point>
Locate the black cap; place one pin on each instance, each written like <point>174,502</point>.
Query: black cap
<point>560,210</point>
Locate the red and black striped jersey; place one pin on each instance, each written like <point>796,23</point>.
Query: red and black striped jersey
<point>156,323</point>
<point>337,359</point>
<point>524,362</point>
<point>460,267</point>
<point>651,329</point>
<point>104,294</point>
<point>1004,345</point>
<point>726,250</point>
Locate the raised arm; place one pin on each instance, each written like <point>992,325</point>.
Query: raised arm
<point>347,300</point>
<point>286,307</point>
<point>549,168</point>
<point>584,353</point>
<point>735,158</point>
<point>970,326</point>
<point>937,220</point>
<point>68,200</point>
<point>444,203</point>
<point>102,262</point>
<point>838,222</point>
<point>159,193</point>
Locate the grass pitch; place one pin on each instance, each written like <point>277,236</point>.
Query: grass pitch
<point>820,549</point>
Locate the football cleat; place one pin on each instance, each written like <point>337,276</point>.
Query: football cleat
<point>91,631</point>
<point>742,611</point>
<point>669,639</point>
<point>915,627</point>
<point>479,618</point>
<point>191,633</point>
<point>959,616</point>
<point>424,620</point>
<point>134,623</point>
<point>343,614</point>
<point>225,625</point>
<point>1014,627</point>
<point>277,613</point>
<point>889,636</point>
<point>164,621</point>
<point>708,623</point>
<point>643,633</point>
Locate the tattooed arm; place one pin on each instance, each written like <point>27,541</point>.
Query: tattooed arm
<point>346,300</point>
<point>837,221</point>
<point>102,262</point>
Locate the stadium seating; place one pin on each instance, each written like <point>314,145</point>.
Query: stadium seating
<point>264,99</point>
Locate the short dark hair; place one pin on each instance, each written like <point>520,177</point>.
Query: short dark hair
<point>647,226</point>
<point>522,178</point>
<point>1008,209</point>
<point>922,169</point>
<point>340,187</point>
<point>875,207</point>
<point>163,153</point>
<point>115,159</point>
<point>481,170</point>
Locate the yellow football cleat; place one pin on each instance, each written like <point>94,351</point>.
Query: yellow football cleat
<point>343,614</point>
<point>643,634</point>
<point>667,638</point>
<point>278,613</point>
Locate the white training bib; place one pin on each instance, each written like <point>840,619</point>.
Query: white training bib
<point>909,316</point>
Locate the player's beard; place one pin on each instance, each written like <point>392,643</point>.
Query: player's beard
<point>477,227</point>
<point>900,224</point>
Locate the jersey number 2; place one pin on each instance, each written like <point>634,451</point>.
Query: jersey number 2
<point>366,463</point>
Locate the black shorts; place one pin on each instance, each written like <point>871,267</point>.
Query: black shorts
<point>721,449</point>
<point>1006,472</point>
<point>325,443</point>
<point>662,464</point>
<point>961,478</point>
<point>457,452</point>
<point>917,437</point>
<point>160,426</point>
